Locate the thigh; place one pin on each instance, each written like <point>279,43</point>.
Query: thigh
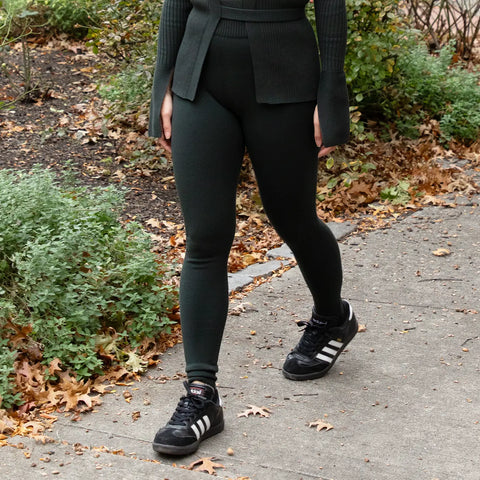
<point>281,144</point>
<point>207,152</point>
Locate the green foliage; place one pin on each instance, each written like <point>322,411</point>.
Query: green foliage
<point>127,29</point>
<point>377,36</point>
<point>74,17</point>
<point>70,270</point>
<point>428,85</point>
<point>461,122</point>
<point>398,194</point>
<point>129,90</point>
<point>392,76</point>
<point>7,396</point>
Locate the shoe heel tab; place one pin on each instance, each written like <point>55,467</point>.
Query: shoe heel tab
<point>347,305</point>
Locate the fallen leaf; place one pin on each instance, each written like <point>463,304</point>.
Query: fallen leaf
<point>441,252</point>
<point>205,464</point>
<point>153,222</point>
<point>254,410</point>
<point>362,328</point>
<point>135,416</point>
<point>320,424</point>
<point>54,366</point>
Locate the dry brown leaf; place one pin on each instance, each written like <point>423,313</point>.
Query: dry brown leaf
<point>136,415</point>
<point>362,328</point>
<point>54,367</point>
<point>254,410</point>
<point>320,425</point>
<point>441,252</point>
<point>154,222</point>
<point>205,464</point>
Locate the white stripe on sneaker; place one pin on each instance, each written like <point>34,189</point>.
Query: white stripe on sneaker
<point>201,426</point>
<point>207,422</point>
<point>324,358</point>
<point>329,350</point>
<point>335,344</point>
<point>195,431</point>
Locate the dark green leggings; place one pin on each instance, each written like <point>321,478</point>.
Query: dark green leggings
<point>209,137</point>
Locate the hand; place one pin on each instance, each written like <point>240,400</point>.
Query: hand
<point>318,136</point>
<point>166,116</point>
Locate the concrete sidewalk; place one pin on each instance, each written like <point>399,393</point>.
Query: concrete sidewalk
<point>403,400</point>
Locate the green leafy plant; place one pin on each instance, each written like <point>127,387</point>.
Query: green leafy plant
<point>8,398</point>
<point>429,86</point>
<point>71,271</point>
<point>127,29</point>
<point>74,17</point>
<point>398,194</point>
<point>345,173</point>
<point>128,91</point>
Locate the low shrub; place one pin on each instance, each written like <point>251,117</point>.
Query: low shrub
<point>430,86</point>
<point>73,17</point>
<point>69,271</point>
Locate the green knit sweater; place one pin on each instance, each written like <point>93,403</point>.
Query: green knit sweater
<point>284,56</point>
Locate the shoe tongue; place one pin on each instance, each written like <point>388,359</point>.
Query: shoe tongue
<point>319,323</point>
<point>198,390</point>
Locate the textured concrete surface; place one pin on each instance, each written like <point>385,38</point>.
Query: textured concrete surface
<point>403,400</point>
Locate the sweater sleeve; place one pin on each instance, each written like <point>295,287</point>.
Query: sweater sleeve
<point>170,35</point>
<point>332,97</point>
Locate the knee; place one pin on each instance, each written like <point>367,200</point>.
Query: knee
<point>208,243</point>
<point>295,227</point>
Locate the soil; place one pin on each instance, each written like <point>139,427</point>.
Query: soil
<point>32,132</point>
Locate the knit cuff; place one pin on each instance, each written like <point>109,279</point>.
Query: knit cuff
<point>161,82</point>
<point>333,108</point>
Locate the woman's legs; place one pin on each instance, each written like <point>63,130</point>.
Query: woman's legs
<point>208,148</point>
<point>208,140</point>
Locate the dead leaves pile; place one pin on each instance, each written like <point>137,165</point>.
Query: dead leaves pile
<point>50,390</point>
<point>397,160</point>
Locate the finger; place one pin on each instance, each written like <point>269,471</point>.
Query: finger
<point>324,151</point>
<point>317,132</point>
<point>166,144</point>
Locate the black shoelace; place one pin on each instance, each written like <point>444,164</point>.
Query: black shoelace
<point>187,409</point>
<point>312,334</point>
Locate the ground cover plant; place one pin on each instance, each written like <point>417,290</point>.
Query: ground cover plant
<point>74,277</point>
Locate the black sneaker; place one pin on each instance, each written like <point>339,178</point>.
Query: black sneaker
<point>319,347</point>
<point>198,415</point>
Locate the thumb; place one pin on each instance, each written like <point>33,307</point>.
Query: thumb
<point>316,128</point>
